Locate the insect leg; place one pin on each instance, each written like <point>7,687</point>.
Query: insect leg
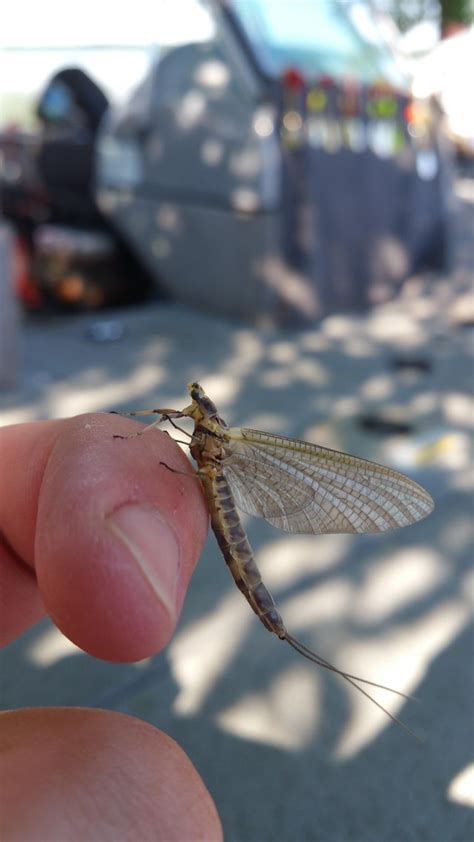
<point>196,473</point>
<point>166,417</point>
<point>175,413</point>
<point>140,432</point>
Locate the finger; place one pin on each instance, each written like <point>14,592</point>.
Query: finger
<point>112,535</point>
<point>24,451</point>
<point>90,774</point>
<point>20,600</point>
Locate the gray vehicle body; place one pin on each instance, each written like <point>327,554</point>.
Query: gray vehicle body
<point>195,172</point>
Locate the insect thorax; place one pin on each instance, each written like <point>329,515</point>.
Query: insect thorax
<point>206,445</point>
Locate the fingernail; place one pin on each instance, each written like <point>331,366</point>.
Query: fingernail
<point>153,546</point>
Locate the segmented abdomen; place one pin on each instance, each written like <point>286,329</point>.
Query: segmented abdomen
<point>238,553</point>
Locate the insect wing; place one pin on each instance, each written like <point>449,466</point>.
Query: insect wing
<point>302,487</point>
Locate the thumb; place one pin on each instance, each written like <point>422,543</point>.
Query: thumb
<point>116,535</point>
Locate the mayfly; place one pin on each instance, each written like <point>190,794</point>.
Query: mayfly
<point>296,486</point>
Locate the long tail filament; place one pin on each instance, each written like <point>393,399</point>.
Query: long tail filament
<point>352,679</point>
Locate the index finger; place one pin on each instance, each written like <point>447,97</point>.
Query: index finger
<point>112,536</point>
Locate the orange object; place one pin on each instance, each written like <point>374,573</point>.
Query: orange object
<point>24,286</point>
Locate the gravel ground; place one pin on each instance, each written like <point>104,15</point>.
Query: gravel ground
<point>290,752</point>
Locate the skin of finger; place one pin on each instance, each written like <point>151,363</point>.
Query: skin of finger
<point>76,774</point>
<point>20,600</point>
<point>89,585</point>
<point>24,453</point>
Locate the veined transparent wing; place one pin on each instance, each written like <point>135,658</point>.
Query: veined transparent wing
<point>302,487</point>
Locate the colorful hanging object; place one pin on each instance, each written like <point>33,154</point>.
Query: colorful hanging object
<point>421,129</point>
<point>385,130</point>
<point>323,123</point>
<point>351,110</point>
<point>293,108</point>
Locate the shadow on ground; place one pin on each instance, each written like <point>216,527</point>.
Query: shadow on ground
<point>290,752</point>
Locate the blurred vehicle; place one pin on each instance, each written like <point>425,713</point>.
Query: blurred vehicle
<point>447,73</point>
<point>270,165</point>
<point>66,252</point>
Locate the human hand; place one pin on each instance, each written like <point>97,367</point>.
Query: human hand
<point>100,537</point>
